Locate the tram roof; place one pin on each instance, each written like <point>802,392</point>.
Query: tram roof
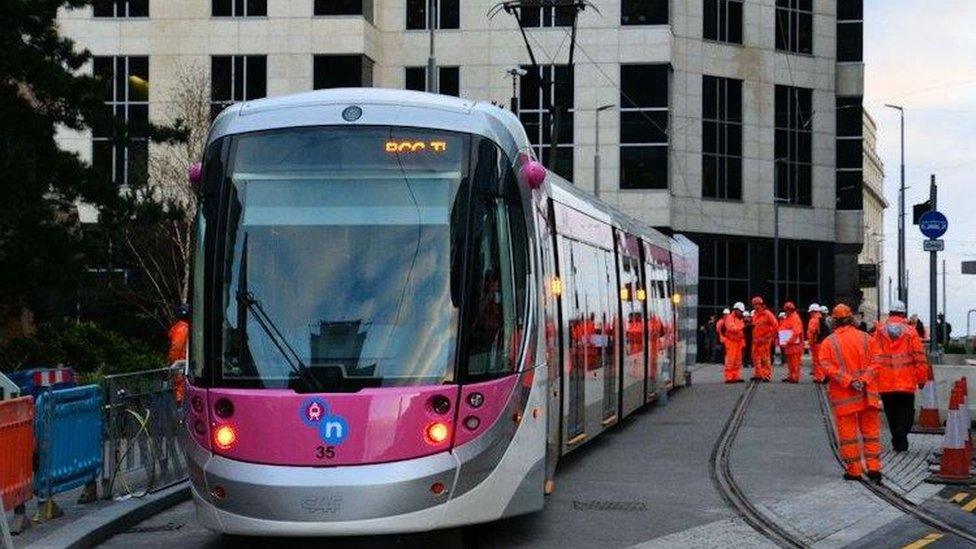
<point>380,106</point>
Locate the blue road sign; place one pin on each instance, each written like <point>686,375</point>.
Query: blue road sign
<point>933,224</point>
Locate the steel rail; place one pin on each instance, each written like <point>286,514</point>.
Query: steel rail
<point>888,495</point>
<point>730,491</point>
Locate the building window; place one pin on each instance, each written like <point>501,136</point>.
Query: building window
<point>644,12</point>
<point>123,159</point>
<point>547,16</point>
<point>448,80</point>
<point>344,7</point>
<point>121,8</point>
<point>850,30</point>
<point>342,71</point>
<point>794,145</point>
<point>448,14</point>
<point>850,154</point>
<point>236,78</point>
<point>721,138</point>
<point>794,26</point>
<point>799,272</point>
<point>723,275</point>
<point>644,126</point>
<point>723,21</point>
<point>239,8</point>
<point>536,88</point>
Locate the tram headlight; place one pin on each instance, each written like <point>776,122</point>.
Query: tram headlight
<point>225,437</point>
<point>436,433</point>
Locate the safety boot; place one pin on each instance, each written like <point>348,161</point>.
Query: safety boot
<point>849,476</point>
<point>875,476</point>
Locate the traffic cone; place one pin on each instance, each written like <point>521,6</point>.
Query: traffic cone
<point>928,417</point>
<point>954,464</point>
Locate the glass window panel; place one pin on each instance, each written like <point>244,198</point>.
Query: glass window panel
<point>850,42</point>
<point>644,85</point>
<point>449,81</point>
<point>221,81</point>
<point>416,13</point>
<point>735,22</point>
<point>644,12</point>
<point>221,8</point>
<point>644,167</point>
<point>848,10</point>
<point>805,33</point>
<point>338,71</point>
<point>104,8</point>
<point>348,7</point>
<point>138,163</point>
<point>643,127</point>
<point>415,78</point>
<point>449,12</point>
<point>238,78</point>
<point>850,153</point>
<point>102,159</point>
<point>139,78</point>
<point>710,95</point>
<point>257,8</point>
<point>138,8</point>
<point>103,69</point>
<point>710,176</point>
<point>710,30</point>
<point>734,179</point>
<point>257,76</point>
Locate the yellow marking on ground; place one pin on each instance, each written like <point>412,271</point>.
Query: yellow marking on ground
<point>969,506</point>
<point>924,541</point>
<point>959,497</point>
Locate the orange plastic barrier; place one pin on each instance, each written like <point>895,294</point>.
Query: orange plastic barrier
<point>17,442</point>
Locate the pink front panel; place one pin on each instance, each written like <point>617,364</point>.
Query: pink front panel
<point>495,397</point>
<point>197,417</point>
<point>279,426</point>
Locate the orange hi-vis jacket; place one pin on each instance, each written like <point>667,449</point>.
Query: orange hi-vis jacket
<point>793,323</point>
<point>179,334</point>
<point>813,329</point>
<point>764,326</point>
<point>735,328</point>
<point>845,358</point>
<point>897,352</point>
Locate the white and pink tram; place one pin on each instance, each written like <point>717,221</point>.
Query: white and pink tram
<point>401,321</point>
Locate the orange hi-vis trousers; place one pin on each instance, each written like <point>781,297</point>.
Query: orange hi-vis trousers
<point>855,430</point>
<point>733,359</point>
<point>761,360</point>
<point>794,357</point>
<point>818,373</point>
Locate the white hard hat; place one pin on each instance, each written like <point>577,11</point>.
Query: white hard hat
<point>824,309</point>
<point>898,306</point>
<point>813,308</point>
<point>726,311</point>
<point>782,315</point>
<point>740,306</point>
<point>746,313</point>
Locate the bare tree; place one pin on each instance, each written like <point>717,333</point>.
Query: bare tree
<point>158,236</point>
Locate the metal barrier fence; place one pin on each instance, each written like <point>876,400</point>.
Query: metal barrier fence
<point>142,422</point>
<point>69,434</point>
<point>17,445</point>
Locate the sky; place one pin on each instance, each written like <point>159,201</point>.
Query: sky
<point>921,54</point>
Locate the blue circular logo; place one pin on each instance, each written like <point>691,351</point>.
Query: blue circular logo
<point>333,430</point>
<point>312,411</point>
<point>351,114</point>
<point>933,224</point>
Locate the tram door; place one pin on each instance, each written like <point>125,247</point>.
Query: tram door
<point>574,311</point>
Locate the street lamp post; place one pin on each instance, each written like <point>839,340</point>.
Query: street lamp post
<point>902,282</point>
<point>431,61</point>
<point>596,154</point>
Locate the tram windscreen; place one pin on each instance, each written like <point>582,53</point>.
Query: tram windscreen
<point>345,238</point>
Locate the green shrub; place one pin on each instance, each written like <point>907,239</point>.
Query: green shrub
<point>953,348</point>
<point>92,351</point>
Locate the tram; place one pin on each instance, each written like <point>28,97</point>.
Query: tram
<point>401,321</point>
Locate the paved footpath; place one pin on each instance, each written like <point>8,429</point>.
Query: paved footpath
<point>646,484</point>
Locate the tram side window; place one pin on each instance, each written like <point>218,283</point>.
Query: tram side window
<point>498,267</point>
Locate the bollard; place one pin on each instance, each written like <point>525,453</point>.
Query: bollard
<point>47,510</point>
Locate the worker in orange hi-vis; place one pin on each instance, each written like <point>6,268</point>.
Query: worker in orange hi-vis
<point>764,328</point>
<point>853,392</point>
<point>813,340</point>
<point>902,366</point>
<point>793,349</point>
<point>735,342</point>
<point>179,334</point>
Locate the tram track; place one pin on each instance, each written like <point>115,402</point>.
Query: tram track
<point>721,473</point>
<point>885,493</point>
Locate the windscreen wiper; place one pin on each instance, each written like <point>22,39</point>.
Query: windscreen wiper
<point>294,361</point>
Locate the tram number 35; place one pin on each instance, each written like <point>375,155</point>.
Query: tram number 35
<point>325,452</point>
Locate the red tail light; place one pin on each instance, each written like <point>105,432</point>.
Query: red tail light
<point>436,433</point>
<point>224,437</point>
